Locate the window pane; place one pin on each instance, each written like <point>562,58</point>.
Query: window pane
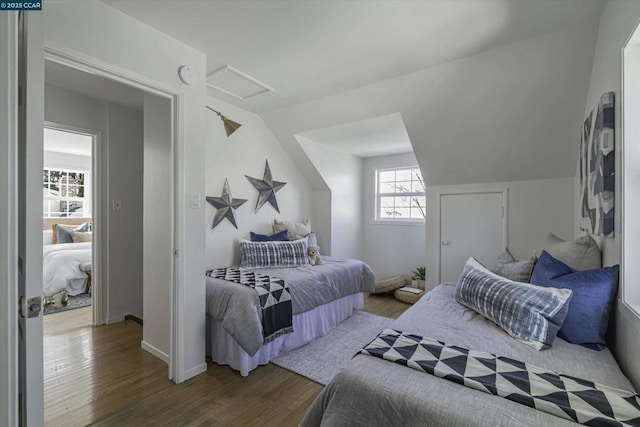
<point>387,187</point>
<point>417,187</point>
<point>416,174</point>
<point>54,189</point>
<point>403,202</point>
<point>403,213</point>
<point>73,178</point>
<point>80,191</point>
<point>387,176</point>
<point>55,176</point>
<point>403,186</point>
<point>403,175</point>
<point>45,175</point>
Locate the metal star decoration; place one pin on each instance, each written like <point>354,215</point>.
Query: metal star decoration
<point>267,188</point>
<point>226,206</point>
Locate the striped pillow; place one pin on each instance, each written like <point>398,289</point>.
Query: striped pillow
<point>532,314</point>
<point>273,254</point>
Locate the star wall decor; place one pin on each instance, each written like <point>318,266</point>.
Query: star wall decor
<point>267,188</point>
<point>226,206</point>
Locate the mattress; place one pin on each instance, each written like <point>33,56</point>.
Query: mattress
<point>371,391</point>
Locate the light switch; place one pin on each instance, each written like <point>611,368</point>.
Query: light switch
<point>195,200</point>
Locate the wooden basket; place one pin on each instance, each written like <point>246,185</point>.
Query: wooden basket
<point>408,297</point>
<point>389,284</point>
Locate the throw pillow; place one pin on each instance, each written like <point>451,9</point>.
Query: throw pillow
<point>531,314</point>
<point>282,236</point>
<point>518,271</point>
<point>581,254</point>
<point>79,236</point>
<point>273,254</point>
<point>297,230</point>
<point>593,294</point>
<point>63,233</point>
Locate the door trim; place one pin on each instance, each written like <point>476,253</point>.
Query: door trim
<point>99,257</point>
<point>9,219</point>
<point>92,65</point>
<point>505,217</point>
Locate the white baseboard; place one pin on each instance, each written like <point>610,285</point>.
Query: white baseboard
<point>196,370</point>
<point>116,319</point>
<point>156,352</point>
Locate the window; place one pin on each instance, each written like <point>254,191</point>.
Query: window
<point>64,193</point>
<point>400,195</point>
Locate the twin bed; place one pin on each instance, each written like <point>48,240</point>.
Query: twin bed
<point>444,362</point>
<point>322,296</point>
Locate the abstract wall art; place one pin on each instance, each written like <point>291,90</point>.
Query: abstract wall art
<point>597,168</point>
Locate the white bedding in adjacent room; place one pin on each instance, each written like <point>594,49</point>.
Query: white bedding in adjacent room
<point>61,268</point>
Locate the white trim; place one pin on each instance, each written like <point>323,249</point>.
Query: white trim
<point>196,370</point>
<point>155,351</point>
<point>63,55</point>
<point>505,217</point>
<point>377,195</point>
<point>8,219</point>
<point>99,251</point>
<point>115,319</point>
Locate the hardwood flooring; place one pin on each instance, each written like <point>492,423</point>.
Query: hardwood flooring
<point>100,376</point>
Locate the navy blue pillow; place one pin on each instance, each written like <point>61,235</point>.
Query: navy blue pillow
<point>282,236</point>
<point>589,308</point>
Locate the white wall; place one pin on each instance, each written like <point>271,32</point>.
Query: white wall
<point>92,30</point>
<point>157,226</point>
<point>244,153</point>
<point>390,249</point>
<point>125,225</point>
<point>535,208</point>
<point>618,20</point>
<point>120,148</point>
<point>342,174</point>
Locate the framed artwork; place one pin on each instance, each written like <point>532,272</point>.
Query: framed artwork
<point>597,168</point>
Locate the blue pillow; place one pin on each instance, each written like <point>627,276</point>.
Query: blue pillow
<point>531,314</point>
<point>593,295</point>
<point>282,236</point>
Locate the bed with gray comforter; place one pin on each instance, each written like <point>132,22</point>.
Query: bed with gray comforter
<point>238,309</point>
<point>374,392</point>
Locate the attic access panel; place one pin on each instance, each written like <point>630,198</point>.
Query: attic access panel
<point>235,83</point>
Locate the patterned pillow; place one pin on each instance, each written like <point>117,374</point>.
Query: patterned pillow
<point>282,236</point>
<point>518,271</point>
<point>273,254</point>
<point>529,313</point>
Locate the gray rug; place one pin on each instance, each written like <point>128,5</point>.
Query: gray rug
<point>78,301</point>
<point>322,358</point>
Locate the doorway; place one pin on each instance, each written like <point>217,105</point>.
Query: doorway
<point>471,224</point>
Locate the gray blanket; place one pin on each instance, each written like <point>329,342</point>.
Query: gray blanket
<point>371,392</point>
<point>238,309</point>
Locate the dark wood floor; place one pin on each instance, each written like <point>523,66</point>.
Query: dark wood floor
<point>101,376</point>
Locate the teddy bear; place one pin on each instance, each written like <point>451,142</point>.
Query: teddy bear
<point>314,255</point>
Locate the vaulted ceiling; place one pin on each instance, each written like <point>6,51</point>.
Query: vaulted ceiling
<point>488,90</point>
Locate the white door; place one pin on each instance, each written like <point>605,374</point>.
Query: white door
<point>30,133</point>
<point>471,224</point>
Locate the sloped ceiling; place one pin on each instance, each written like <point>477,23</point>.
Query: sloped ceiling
<point>488,90</point>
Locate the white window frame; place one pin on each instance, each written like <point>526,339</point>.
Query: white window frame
<point>378,196</point>
<point>86,199</point>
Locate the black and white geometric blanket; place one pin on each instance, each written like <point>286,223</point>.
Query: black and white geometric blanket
<point>568,397</point>
<point>273,294</point>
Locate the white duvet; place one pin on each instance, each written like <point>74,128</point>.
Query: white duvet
<point>61,267</point>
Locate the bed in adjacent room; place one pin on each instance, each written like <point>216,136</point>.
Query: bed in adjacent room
<point>244,332</point>
<point>446,361</point>
<point>66,258</point>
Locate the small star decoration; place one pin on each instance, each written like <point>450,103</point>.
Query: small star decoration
<point>267,188</point>
<point>226,206</point>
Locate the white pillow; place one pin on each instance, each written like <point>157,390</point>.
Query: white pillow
<point>297,230</point>
<point>47,237</point>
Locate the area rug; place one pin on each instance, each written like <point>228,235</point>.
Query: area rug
<point>78,301</point>
<point>324,357</point>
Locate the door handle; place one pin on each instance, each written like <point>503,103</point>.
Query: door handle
<point>445,243</point>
